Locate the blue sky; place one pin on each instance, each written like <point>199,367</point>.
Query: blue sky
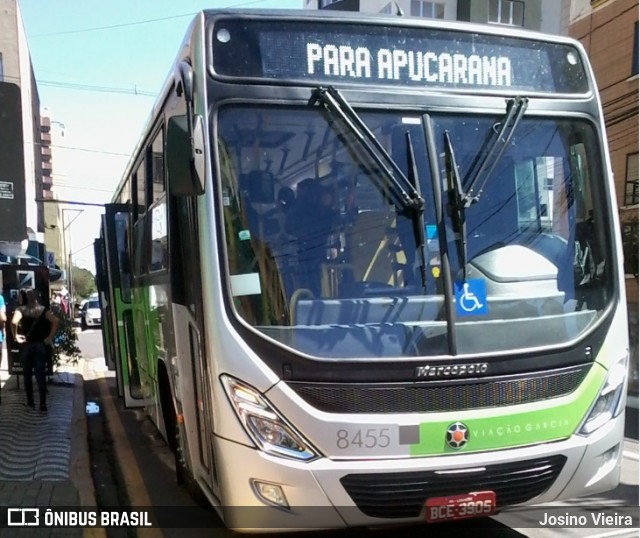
<point>119,52</point>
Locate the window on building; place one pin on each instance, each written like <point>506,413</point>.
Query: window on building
<point>630,248</point>
<point>428,10</point>
<point>631,182</point>
<point>634,64</point>
<point>506,12</point>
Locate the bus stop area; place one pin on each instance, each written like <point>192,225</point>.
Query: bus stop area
<point>44,457</point>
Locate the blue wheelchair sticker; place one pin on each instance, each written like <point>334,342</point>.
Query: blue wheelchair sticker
<point>471,297</point>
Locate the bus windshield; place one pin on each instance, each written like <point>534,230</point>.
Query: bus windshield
<point>321,260</point>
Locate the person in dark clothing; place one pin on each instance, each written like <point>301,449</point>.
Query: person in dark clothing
<point>3,319</point>
<point>313,221</point>
<point>38,327</point>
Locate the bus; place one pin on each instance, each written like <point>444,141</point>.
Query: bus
<point>364,270</point>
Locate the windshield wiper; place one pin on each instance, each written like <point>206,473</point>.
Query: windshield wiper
<point>405,193</point>
<point>515,112</point>
<point>407,198</point>
<point>418,219</point>
<point>456,204</point>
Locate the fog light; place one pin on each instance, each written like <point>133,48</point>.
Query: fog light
<point>608,462</point>
<point>270,493</point>
<point>611,454</point>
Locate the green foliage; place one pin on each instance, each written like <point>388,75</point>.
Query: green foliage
<point>65,349</point>
<point>83,281</point>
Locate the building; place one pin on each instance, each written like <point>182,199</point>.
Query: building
<point>52,133</point>
<point>22,225</point>
<point>608,29</point>
<point>543,15</point>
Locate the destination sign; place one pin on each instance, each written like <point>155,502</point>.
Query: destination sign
<point>329,52</point>
<point>397,65</point>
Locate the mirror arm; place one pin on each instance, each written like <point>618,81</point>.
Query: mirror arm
<point>186,76</point>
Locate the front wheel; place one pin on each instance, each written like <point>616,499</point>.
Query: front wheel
<point>183,474</point>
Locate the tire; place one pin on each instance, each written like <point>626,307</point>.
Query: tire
<point>174,440</point>
<point>183,474</point>
<point>173,431</point>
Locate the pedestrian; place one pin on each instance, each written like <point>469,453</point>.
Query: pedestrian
<point>38,327</point>
<point>64,305</point>
<point>55,305</point>
<point>3,320</point>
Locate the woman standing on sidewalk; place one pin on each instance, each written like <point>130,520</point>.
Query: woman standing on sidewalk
<point>3,319</point>
<point>38,326</point>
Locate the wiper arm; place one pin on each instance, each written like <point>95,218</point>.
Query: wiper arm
<point>405,193</point>
<point>456,203</point>
<point>515,112</point>
<point>418,217</point>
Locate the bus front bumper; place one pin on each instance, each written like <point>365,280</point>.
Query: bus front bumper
<point>317,497</point>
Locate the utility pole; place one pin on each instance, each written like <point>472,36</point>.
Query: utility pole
<point>69,258</point>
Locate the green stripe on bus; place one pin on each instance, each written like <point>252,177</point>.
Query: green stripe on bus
<point>123,357</point>
<point>512,428</point>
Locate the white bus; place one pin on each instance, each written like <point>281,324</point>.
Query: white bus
<point>366,271</point>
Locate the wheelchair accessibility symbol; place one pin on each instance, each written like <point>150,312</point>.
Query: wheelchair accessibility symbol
<point>471,297</point>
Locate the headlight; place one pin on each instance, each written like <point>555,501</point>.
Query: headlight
<point>263,424</point>
<point>609,403</point>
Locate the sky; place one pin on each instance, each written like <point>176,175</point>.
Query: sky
<point>98,67</point>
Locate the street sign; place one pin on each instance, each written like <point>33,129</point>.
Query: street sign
<point>14,278</point>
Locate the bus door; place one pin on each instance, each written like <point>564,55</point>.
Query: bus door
<point>106,302</point>
<point>117,226</point>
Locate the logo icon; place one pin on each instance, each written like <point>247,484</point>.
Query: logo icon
<point>471,297</point>
<point>26,279</point>
<point>457,435</point>
<point>23,517</point>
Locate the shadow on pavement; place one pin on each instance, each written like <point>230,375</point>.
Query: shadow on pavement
<point>631,423</point>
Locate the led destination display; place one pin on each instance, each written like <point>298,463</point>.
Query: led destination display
<point>393,56</point>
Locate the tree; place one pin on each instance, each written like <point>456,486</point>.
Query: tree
<point>65,344</point>
<point>83,282</point>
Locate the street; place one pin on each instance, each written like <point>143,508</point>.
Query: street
<point>146,466</point>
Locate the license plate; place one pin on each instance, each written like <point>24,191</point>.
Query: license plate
<point>451,507</point>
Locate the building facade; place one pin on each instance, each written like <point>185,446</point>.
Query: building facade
<point>52,133</point>
<point>22,225</point>
<point>548,16</point>
<point>608,29</point>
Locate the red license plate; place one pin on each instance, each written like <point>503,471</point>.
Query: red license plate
<point>476,504</point>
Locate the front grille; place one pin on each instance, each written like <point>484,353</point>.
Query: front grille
<point>431,396</point>
<point>402,495</point>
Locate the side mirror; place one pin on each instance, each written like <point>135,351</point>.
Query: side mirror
<point>185,143</point>
<point>185,160</point>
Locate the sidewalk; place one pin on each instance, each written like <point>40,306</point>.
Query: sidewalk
<point>44,457</point>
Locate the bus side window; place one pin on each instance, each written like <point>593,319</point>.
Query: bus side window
<point>139,191</point>
<point>158,212</point>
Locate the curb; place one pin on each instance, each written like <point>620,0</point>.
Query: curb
<point>80,459</point>
<point>133,480</point>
